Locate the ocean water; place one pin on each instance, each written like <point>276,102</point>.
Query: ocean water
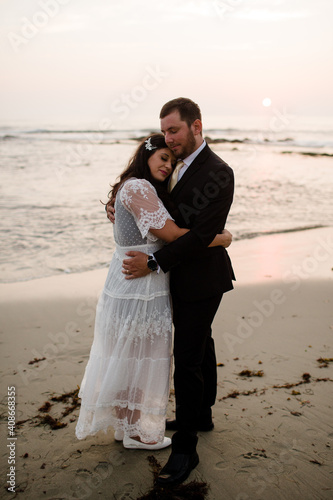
<point>52,181</point>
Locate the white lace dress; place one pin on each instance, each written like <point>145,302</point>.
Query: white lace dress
<point>127,378</point>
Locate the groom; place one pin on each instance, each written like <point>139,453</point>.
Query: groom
<point>202,190</point>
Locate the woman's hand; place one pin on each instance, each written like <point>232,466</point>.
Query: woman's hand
<point>226,238</point>
<point>222,240</point>
<point>110,211</point>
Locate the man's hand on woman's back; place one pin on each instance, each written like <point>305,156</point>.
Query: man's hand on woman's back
<point>110,211</point>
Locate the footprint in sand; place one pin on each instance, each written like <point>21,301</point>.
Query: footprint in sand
<point>86,482</point>
<point>125,492</point>
<point>222,465</point>
<point>104,469</point>
<point>312,432</point>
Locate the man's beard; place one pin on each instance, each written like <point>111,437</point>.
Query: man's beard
<point>189,146</point>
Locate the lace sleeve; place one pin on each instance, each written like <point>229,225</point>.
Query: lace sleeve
<point>140,198</point>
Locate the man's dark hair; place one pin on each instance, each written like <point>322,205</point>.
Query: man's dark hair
<point>189,111</point>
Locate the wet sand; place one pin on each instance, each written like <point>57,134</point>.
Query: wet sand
<point>273,433</point>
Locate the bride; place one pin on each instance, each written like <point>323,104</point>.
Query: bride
<point>127,378</point>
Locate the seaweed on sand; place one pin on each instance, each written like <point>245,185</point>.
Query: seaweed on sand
<point>54,423</point>
<point>73,396</point>
<point>250,373</point>
<point>194,490</point>
<point>69,398</point>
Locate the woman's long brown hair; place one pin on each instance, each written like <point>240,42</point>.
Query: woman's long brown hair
<point>138,167</point>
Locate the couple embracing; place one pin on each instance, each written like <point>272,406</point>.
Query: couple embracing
<point>170,265</point>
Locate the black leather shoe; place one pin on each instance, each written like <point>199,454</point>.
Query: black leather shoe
<point>177,468</point>
<point>171,425</point>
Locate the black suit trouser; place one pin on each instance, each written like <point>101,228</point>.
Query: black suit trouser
<point>195,376</point>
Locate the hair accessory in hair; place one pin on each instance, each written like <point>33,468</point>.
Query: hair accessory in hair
<point>149,145</point>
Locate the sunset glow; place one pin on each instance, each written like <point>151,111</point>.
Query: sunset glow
<point>70,60</point>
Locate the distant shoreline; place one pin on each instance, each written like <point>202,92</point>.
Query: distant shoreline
<point>305,153</point>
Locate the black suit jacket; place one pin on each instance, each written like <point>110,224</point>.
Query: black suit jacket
<point>203,197</point>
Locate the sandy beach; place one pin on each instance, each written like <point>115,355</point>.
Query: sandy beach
<point>273,435</point>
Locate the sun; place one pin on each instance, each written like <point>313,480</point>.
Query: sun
<point>266,102</point>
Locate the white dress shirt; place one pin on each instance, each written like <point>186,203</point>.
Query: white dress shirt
<point>187,161</point>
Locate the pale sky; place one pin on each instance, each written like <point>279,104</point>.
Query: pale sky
<point>119,61</point>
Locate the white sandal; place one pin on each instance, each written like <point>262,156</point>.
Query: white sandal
<point>132,444</point>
